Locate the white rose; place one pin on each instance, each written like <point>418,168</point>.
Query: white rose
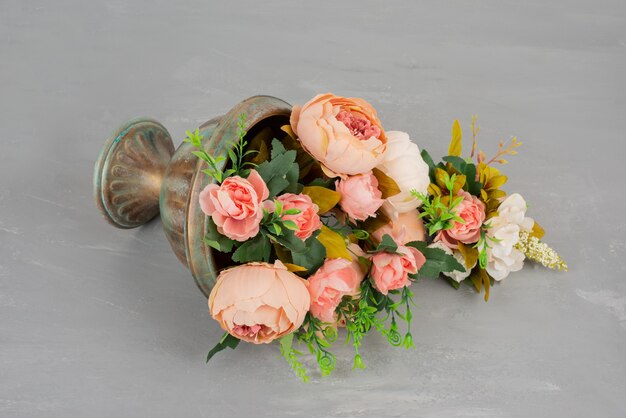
<point>504,230</point>
<point>513,210</point>
<point>404,164</point>
<point>455,275</point>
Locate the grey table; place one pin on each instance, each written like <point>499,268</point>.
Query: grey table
<point>96,321</point>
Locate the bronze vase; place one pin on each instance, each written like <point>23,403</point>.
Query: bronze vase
<point>139,175</point>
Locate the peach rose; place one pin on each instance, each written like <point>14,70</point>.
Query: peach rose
<point>259,302</point>
<point>403,228</point>
<point>391,271</point>
<point>236,205</point>
<point>343,134</point>
<point>337,278</point>
<point>472,211</point>
<point>360,197</point>
<point>308,220</point>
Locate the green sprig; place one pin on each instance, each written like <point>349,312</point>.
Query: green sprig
<point>195,139</point>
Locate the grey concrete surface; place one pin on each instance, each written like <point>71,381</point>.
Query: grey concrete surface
<point>96,321</point>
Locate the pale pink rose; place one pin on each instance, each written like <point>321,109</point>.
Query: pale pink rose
<point>391,271</point>
<point>360,196</point>
<point>336,278</point>
<point>308,220</point>
<point>472,211</point>
<point>236,205</point>
<point>403,228</point>
<point>343,134</point>
<point>259,302</point>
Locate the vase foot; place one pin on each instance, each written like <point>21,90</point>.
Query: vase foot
<point>129,172</point>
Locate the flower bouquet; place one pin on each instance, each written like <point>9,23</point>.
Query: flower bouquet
<point>328,226</point>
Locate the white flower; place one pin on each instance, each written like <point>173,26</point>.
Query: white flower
<point>455,275</point>
<point>505,230</point>
<point>404,164</point>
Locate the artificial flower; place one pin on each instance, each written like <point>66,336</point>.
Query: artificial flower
<point>343,134</point>
<point>308,221</point>
<point>504,233</point>
<point>391,271</point>
<point>236,205</point>
<point>360,196</point>
<point>336,278</point>
<point>259,302</point>
<point>403,162</point>
<point>402,227</point>
<point>472,211</point>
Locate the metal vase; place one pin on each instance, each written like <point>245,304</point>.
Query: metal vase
<point>139,175</point>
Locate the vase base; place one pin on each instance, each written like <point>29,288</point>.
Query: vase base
<point>129,172</point>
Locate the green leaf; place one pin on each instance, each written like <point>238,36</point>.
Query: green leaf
<point>437,261</point>
<point>313,257</point>
<point>431,165</point>
<point>227,341</point>
<point>387,244</point>
<point>289,240</point>
<point>255,249</point>
<point>281,172</point>
<point>216,240</point>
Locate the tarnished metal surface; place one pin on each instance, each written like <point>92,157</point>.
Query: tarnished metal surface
<point>136,176</point>
<point>129,172</point>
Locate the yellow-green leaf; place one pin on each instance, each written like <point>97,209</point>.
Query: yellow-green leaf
<point>496,182</point>
<point>456,145</point>
<point>324,198</point>
<point>477,279</point>
<point>334,243</point>
<point>440,177</point>
<point>537,232</point>
<point>486,283</point>
<point>434,190</point>
<point>470,254</point>
<point>262,155</point>
<point>294,268</point>
<point>386,184</point>
<point>287,129</point>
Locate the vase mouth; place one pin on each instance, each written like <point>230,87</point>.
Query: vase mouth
<point>264,114</point>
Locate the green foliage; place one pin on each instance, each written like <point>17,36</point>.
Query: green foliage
<point>319,337</point>
<point>437,215</point>
<point>280,174</point>
<point>237,153</point>
<point>431,165</point>
<point>195,138</point>
<point>255,249</point>
<point>293,357</point>
<point>314,255</point>
<point>227,341</point>
<point>437,261</point>
<point>468,169</point>
<point>216,240</point>
<point>387,245</point>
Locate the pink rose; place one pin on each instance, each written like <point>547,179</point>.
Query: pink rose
<point>472,211</point>
<point>403,228</point>
<point>337,278</point>
<point>343,134</point>
<point>259,302</point>
<point>307,220</point>
<point>391,271</point>
<point>360,197</point>
<point>236,205</point>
